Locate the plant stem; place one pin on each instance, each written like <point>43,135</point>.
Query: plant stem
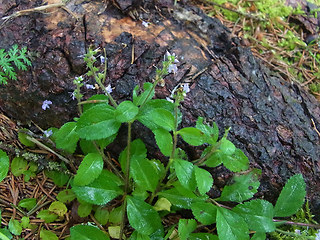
<point>175,141</point>
<point>298,224</point>
<point>107,160</point>
<point>127,180</point>
<point>295,235</point>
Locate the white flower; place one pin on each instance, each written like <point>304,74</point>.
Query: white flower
<point>73,95</point>
<point>318,235</point>
<point>109,89</point>
<point>297,231</point>
<point>145,24</point>
<point>173,68</point>
<point>46,104</point>
<point>48,133</point>
<point>169,99</point>
<point>102,59</point>
<point>89,86</point>
<point>186,88</point>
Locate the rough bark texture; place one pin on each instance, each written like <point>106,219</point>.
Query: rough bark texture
<point>270,118</point>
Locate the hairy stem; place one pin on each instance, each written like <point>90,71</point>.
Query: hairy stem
<point>127,181</point>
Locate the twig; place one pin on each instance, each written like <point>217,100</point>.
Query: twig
<point>314,127</point>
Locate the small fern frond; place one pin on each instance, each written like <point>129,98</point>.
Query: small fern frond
<point>14,57</point>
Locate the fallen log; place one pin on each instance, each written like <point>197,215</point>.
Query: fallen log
<point>275,122</point>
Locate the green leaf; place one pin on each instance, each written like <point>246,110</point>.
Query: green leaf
<point>114,232</point>
<point>5,234</point>
<point>226,147</point>
<point>95,97</point>
<point>28,203</point>
<point>67,137</point>
<point>243,188</point>
<point>59,178</point>
<point>58,208</point>
<point>15,227</point>
<point>192,136</point>
<point>18,166</point>
<point>231,226</point>
<point>162,204</point>
<point>185,227</point>
<point>291,197</point>
<point>202,236</point>
<point>88,146</point>
<point>4,165</point>
<point>215,159</point>
<point>164,141</point>
<point>23,138</point>
<point>145,116</point>
<point>258,214</point>
<point>142,217</point>
<point>25,222</point>
<point>138,100</point>
<point>97,123</point>
<point>84,232</point>
<point>212,133</point>
<point>47,216</point>
<point>116,215</point>
<point>89,169</point>
<point>126,112</point>
<point>204,180</point>
<point>137,236</point>
<point>181,197</point>
<point>47,235</point>
<point>101,191</point>
<point>236,162</point>
<point>163,118</point>
<point>66,196</point>
<point>185,173</point>
<point>138,150</point>
<point>102,215</point>
<point>144,173</point>
<point>204,212</point>
<point>259,236</point>
<point>84,209</point>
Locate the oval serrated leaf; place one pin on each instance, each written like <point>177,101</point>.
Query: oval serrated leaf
<point>192,136</point>
<point>101,191</point>
<point>97,123</point>
<point>67,137</point>
<point>291,197</point>
<point>85,232</point>
<point>47,235</point>
<point>89,169</point>
<point>4,165</point>
<point>258,214</point>
<point>185,173</point>
<point>18,166</point>
<point>126,111</point>
<point>236,162</point>
<point>144,173</point>
<point>205,213</point>
<point>164,141</point>
<point>142,217</point>
<point>163,118</point>
<point>231,226</point>
<point>204,180</point>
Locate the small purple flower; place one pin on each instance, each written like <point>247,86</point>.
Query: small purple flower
<point>48,133</point>
<point>89,86</point>
<point>185,87</point>
<point>46,104</point>
<point>109,89</point>
<point>318,235</point>
<point>73,95</point>
<point>102,59</point>
<point>173,68</point>
<point>145,24</point>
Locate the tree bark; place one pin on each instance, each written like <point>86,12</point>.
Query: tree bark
<point>273,121</point>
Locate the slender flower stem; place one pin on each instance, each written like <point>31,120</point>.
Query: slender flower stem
<point>127,180</point>
<point>298,223</point>
<point>171,159</point>
<point>106,159</point>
